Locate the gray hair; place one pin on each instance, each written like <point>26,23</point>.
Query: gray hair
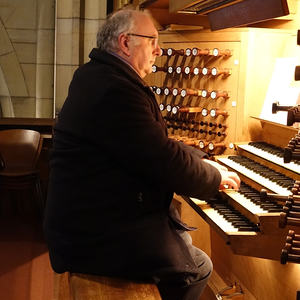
<point>117,23</point>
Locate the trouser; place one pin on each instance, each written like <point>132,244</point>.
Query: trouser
<point>190,286</point>
<point>187,286</point>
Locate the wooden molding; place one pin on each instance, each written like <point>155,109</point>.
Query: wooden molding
<point>247,12</point>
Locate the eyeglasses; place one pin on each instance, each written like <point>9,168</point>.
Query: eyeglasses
<point>153,38</point>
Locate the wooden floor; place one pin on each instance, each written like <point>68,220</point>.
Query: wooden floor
<point>25,272</point>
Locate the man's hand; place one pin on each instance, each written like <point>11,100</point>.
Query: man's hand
<point>228,179</point>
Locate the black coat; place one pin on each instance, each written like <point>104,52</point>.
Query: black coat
<point>113,174</point>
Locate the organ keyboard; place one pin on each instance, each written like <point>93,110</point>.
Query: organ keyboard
<point>271,153</point>
<point>246,227</point>
<point>247,221</point>
<point>268,178</point>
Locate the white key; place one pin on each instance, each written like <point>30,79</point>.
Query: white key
<point>271,157</point>
<point>217,218</point>
<point>256,177</point>
<point>245,202</point>
<point>220,220</point>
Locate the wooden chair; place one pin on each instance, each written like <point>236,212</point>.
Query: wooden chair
<point>20,150</point>
<point>76,286</point>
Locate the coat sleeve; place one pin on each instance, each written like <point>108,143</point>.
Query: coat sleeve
<point>137,141</point>
<point>119,118</point>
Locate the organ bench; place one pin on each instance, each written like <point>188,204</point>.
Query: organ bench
<point>74,286</point>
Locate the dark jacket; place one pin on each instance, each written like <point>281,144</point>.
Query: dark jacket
<point>113,174</point>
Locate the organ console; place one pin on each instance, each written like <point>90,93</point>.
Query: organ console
<point>241,230</point>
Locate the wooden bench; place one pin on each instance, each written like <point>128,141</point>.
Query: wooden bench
<point>89,287</point>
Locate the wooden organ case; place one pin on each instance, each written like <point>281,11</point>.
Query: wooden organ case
<point>211,88</point>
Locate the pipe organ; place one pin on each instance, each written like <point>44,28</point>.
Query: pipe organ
<point>210,87</point>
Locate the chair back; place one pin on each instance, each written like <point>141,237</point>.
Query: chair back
<point>20,149</point>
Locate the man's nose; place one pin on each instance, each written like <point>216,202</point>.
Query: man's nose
<point>157,50</point>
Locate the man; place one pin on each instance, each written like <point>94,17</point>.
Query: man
<point>114,171</point>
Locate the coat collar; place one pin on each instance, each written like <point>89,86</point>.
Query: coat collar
<point>104,57</point>
<point>109,59</point>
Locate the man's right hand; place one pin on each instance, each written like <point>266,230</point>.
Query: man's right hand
<point>229,180</point>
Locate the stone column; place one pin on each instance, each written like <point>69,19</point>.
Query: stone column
<point>77,23</point>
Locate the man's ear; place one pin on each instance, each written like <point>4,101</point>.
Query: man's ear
<point>123,44</point>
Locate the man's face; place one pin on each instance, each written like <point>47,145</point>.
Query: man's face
<point>143,45</point>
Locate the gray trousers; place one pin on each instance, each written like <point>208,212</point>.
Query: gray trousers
<point>190,286</point>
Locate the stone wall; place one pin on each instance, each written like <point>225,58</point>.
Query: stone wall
<point>42,42</point>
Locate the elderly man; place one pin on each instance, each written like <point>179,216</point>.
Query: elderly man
<point>114,171</point>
